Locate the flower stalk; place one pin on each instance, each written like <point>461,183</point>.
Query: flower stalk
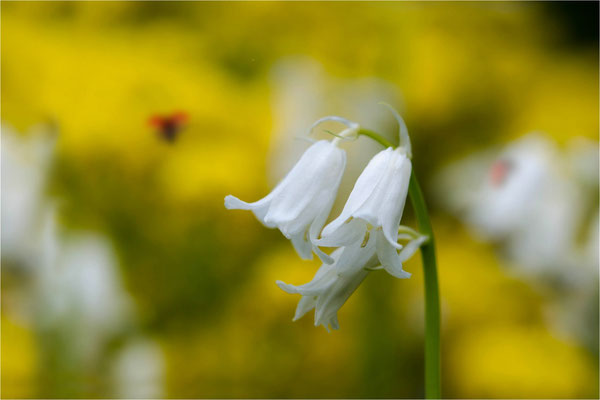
<point>432,297</point>
<point>432,301</point>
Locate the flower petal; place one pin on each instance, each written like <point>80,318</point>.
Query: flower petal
<point>315,229</point>
<point>333,284</point>
<point>363,189</point>
<point>302,245</point>
<point>326,258</point>
<point>389,258</point>
<point>259,208</point>
<point>355,257</point>
<point>346,234</point>
<point>317,173</point>
<point>404,138</point>
<point>317,196</point>
<point>330,301</point>
<point>305,304</point>
<point>322,279</point>
<point>411,248</point>
<point>392,206</point>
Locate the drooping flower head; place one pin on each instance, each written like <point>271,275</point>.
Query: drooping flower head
<point>366,232</point>
<point>334,283</point>
<point>375,206</point>
<point>300,204</point>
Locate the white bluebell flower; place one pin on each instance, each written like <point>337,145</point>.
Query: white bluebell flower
<point>334,283</point>
<point>300,204</point>
<point>375,205</point>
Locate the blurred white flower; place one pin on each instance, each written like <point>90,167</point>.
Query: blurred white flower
<point>77,294</point>
<point>25,164</point>
<point>300,204</point>
<point>334,283</point>
<point>539,205</point>
<point>79,291</point>
<point>527,199</point>
<point>139,370</point>
<point>518,182</point>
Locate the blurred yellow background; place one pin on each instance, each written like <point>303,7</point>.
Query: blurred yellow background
<point>202,280</point>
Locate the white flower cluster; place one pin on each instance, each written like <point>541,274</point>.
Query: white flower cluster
<point>366,233</point>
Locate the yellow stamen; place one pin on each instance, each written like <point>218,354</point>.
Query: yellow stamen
<point>364,243</point>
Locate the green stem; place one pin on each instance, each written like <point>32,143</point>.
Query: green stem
<point>432,297</point>
<point>432,300</point>
<point>376,137</point>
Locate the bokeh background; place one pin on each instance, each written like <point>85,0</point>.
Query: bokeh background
<point>124,276</point>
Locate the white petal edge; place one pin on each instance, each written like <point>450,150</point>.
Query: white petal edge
<point>389,258</point>
<point>259,208</point>
<point>303,247</point>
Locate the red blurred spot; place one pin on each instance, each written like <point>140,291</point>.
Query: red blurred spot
<point>499,172</point>
<point>169,126</point>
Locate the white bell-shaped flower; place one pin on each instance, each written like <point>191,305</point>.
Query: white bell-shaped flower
<point>300,204</point>
<point>334,283</point>
<point>375,206</point>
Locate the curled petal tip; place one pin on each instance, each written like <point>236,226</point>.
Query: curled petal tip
<point>228,201</point>
<point>281,284</point>
<point>404,138</point>
<point>291,289</point>
<point>347,134</point>
<point>233,203</point>
<point>400,274</point>
<point>326,258</point>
